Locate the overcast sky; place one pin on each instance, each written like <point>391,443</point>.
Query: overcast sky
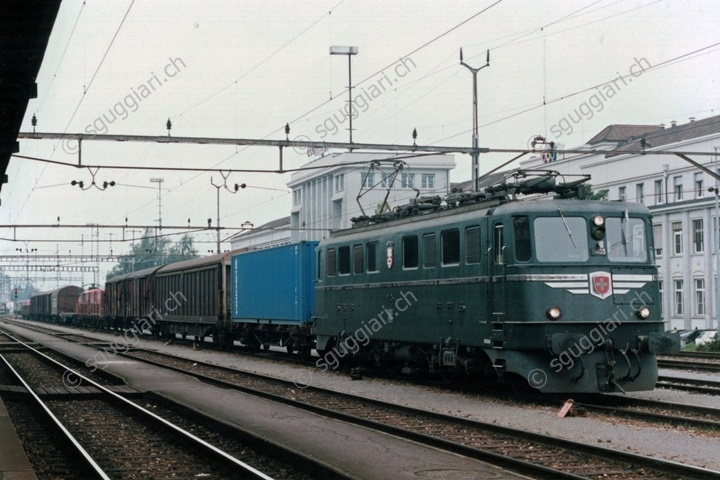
<point>245,68</point>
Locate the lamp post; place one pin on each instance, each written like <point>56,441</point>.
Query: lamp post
<point>159,181</point>
<point>717,245</point>
<point>475,154</point>
<point>349,51</point>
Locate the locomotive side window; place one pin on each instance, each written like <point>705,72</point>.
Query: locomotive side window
<point>450,247</point>
<point>561,239</point>
<point>318,265</point>
<point>429,251</point>
<point>331,262</point>
<point>358,259</point>
<point>410,252</point>
<point>472,245</point>
<point>521,230</point>
<point>626,239</point>
<point>372,265</point>
<point>344,260</point>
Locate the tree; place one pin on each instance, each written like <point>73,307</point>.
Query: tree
<point>599,195</point>
<point>153,251</point>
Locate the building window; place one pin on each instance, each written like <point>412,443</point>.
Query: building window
<point>407,180</point>
<point>368,180</point>
<point>388,179</point>
<point>699,189</point>
<point>340,182</point>
<point>698,237</point>
<point>296,197</point>
<point>640,193</point>
<point>678,188</point>
<point>659,197</point>
<point>622,196</point>
<point>657,238</point>
<point>428,180</point>
<point>678,297</point>
<point>699,296</point>
<point>677,237</point>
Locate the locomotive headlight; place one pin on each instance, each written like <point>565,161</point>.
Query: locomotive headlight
<point>553,313</point>
<point>598,230</point>
<point>643,313</point>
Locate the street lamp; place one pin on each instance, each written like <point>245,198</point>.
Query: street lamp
<point>349,51</point>
<point>159,181</point>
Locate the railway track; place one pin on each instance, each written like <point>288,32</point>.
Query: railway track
<point>482,441</point>
<point>707,366</point>
<point>106,435</point>
<point>541,456</point>
<point>707,387</point>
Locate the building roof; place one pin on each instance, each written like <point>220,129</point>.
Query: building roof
<point>277,224</point>
<point>674,134</point>
<point>621,134</point>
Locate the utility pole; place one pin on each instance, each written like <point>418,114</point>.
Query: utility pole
<point>475,153</point>
<point>159,181</point>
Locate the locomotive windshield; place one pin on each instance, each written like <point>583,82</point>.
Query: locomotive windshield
<point>626,240</point>
<point>561,239</point>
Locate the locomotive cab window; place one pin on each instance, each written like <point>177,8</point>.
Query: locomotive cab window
<point>521,230</point>
<point>410,252</point>
<point>372,265</point>
<point>450,247</point>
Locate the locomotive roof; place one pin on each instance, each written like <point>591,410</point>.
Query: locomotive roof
<point>531,206</point>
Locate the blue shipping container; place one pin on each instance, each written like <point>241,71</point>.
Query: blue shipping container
<point>275,285</point>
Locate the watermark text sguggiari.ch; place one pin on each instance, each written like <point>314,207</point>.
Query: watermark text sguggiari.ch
<point>129,104</point>
<point>129,339</point>
<point>361,337</point>
<point>596,102</point>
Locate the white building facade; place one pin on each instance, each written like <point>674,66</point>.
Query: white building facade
<point>325,193</point>
<point>676,192</point>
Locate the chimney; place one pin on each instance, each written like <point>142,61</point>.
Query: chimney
<point>692,119</point>
<point>673,123</point>
<point>662,125</point>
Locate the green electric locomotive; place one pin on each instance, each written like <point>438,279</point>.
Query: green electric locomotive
<point>553,289</point>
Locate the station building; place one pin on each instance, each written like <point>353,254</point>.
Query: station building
<point>332,189</point>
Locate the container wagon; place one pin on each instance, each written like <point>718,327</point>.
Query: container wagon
<point>273,298</point>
